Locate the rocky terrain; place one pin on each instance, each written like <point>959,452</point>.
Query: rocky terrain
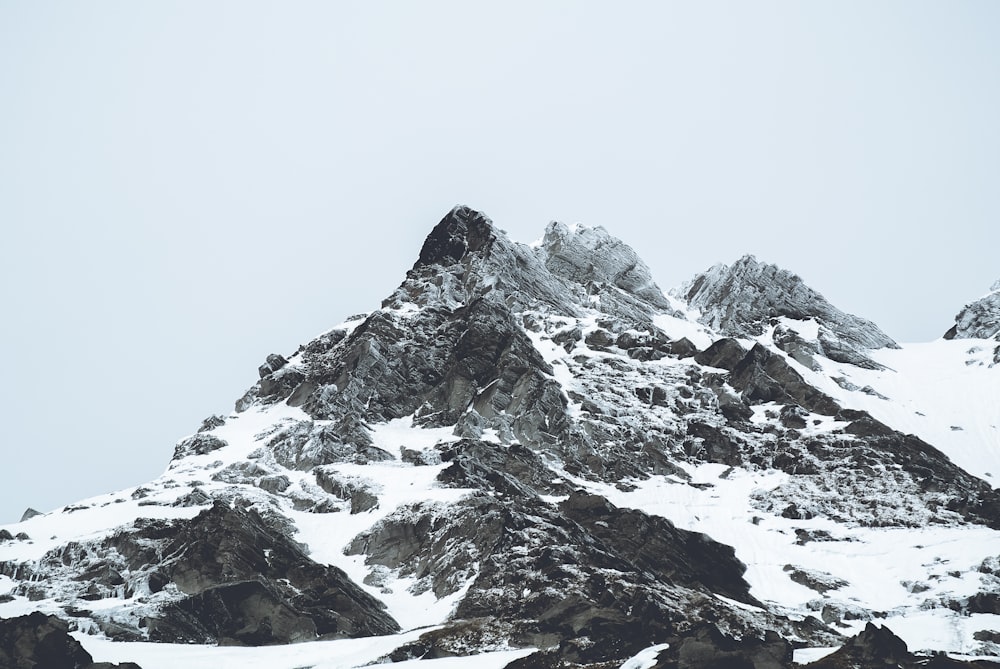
<point>535,447</point>
<point>980,320</point>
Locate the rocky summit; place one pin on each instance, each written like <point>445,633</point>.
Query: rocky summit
<point>532,455</point>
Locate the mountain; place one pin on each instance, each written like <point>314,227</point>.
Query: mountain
<point>531,454</point>
<point>741,301</point>
<point>980,320</point>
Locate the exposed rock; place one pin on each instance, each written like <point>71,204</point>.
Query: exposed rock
<point>211,423</point>
<point>198,444</point>
<point>461,232</point>
<point>29,513</point>
<point>707,647</point>
<point>39,641</point>
<point>683,348</point>
<point>723,353</point>
<point>879,647</point>
<point>587,256</point>
<point>360,496</point>
<point>797,348</point>
<point>240,572</point>
<point>655,545</point>
<point>740,301</point>
<point>274,363</point>
<point>712,445</point>
<point>465,362</point>
<point>979,319</point>
<point>814,580</point>
<point>764,376</point>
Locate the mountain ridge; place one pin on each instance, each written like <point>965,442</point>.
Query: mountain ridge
<point>531,398</point>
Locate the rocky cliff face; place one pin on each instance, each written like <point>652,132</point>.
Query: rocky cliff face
<point>531,446</point>
<point>741,300</point>
<point>980,320</point>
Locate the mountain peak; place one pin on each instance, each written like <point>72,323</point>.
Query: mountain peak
<point>585,255</point>
<point>740,300</point>
<point>522,449</point>
<point>462,231</point>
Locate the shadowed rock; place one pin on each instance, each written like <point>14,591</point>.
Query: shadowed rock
<point>39,641</point>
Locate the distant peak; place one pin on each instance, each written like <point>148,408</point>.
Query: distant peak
<point>463,230</point>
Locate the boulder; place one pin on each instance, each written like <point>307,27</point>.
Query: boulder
<point>39,641</point>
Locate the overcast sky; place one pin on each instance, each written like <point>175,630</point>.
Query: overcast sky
<point>186,187</point>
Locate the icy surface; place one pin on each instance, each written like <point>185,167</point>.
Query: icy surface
<point>344,654</point>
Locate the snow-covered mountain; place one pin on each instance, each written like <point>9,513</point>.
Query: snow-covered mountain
<point>531,454</point>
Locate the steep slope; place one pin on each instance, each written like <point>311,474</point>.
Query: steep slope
<point>532,446</point>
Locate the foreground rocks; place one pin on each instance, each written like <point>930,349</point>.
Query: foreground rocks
<point>38,641</point>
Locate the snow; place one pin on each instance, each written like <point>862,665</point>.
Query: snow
<point>944,391</point>
<point>879,565</point>
<point>675,328</point>
<point>83,521</point>
<point>242,432</point>
<point>808,329</point>
<point>399,485</point>
<point>936,629</point>
<point>807,655</point>
<point>645,659</point>
<point>341,654</point>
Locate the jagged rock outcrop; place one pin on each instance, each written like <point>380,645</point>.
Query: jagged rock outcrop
<point>233,577</point>
<point>39,641</point>
<point>28,514</point>
<point>740,300</point>
<point>979,319</point>
<point>879,647</point>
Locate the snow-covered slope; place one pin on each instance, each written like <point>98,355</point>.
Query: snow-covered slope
<point>533,447</point>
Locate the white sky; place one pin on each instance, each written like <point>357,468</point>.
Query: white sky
<point>186,187</point>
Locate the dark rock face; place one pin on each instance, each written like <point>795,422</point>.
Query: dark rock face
<point>249,584</point>
<point>572,569</point>
<point>724,353</point>
<point>873,647</point>
<point>584,569</point>
<point>38,641</point>
<point>765,377</point>
<point>708,648</point>
<point>238,577</point>
<point>461,232</point>
<point>654,545</point>
<point>742,299</point>
<point>305,445</point>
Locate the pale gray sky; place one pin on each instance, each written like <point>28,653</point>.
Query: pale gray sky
<point>186,187</point>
